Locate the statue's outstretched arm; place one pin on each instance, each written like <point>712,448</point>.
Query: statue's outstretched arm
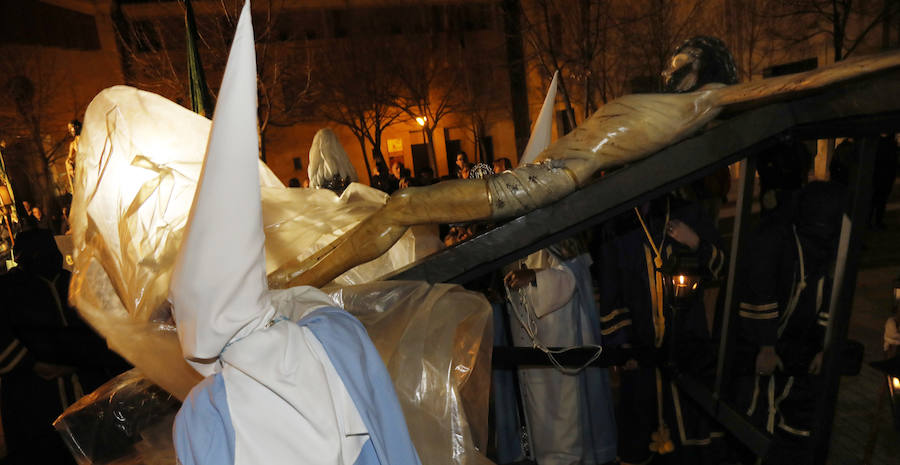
<point>622,131</point>
<point>445,202</point>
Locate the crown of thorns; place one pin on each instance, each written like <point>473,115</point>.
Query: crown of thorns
<point>481,171</point>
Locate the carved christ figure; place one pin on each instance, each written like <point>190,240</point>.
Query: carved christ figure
<point>622,131</point>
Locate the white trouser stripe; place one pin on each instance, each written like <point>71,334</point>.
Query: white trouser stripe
<point>9,366</point>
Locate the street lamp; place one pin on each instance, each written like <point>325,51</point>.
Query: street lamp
<point>421,120</point>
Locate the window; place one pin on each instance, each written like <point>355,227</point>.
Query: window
<point>339,26</point>
<point>38,23</point>
<point>791,68</point>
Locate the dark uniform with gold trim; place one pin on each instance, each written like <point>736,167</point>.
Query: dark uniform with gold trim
<point>634,313</point>
<point>785,304</point>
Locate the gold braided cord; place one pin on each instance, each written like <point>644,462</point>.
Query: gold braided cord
<point>655,277</point>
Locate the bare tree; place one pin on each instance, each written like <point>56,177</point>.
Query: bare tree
<point>154,55</point>
<point>358,86</point>
<point>447,63</point>
<point>835,19</point>
<point>543,31</point>
<point>750,31</point>
<point>600,46</point>
<point>656,29</point>
<point>35,132</point>
<point>428,63</point>
<point>583,40</point>
<point>483,95</point>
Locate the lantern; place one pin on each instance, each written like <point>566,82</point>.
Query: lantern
<point>891,370</point>
<point>682,276</point>
<point>684,285</point>
<point>891,366</point>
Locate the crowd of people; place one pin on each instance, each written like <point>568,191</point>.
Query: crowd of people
<point>27,217</point>
<point>398,176</point>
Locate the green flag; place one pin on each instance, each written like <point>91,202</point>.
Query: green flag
<point>196,79</point>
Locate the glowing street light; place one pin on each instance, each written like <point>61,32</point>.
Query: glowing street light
<point>426,132</point>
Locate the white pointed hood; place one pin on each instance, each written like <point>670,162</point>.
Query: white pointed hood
<point>219,288</point>
<point>543,127</point>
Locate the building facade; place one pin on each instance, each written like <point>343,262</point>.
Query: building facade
<point>383,64</point>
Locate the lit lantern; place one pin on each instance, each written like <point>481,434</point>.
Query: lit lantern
<point>891,370</point>
<point>683,285</point>
<point>896,295</point>
<point>681,278</point>
<point>682,275</point>
<point>891,366</point>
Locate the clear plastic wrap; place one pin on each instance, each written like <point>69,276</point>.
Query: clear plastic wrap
<point>139,158</point>
<point>300,221</point>
<point>434,340</point>
<point>436,343</point>
<point>128,420</point>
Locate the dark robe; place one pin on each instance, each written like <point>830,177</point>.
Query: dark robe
<point>627,311</point>
<point>775,309</point>
<point>37,325</point>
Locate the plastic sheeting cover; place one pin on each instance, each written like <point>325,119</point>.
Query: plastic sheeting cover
<point>138,161</point>
<point>126,421</point>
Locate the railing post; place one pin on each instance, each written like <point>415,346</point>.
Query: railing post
<point>841,303</point>
<point>738,239</point>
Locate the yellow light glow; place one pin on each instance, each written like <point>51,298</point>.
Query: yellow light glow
<point>681,279</point>
<point>895,382</point>
<point>421,120</point>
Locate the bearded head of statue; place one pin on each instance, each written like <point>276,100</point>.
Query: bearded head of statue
<point>697,62</point>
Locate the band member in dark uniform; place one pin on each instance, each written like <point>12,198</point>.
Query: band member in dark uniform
<point>783,314</point>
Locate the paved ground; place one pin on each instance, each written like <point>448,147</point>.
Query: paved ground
<point>856,411</point>
<point>858,396</point>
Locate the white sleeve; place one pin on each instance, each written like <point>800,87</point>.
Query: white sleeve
<point>555,286</point>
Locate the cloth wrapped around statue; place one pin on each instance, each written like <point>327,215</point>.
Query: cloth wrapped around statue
<point>139,160</point>
<point>513,193</point>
